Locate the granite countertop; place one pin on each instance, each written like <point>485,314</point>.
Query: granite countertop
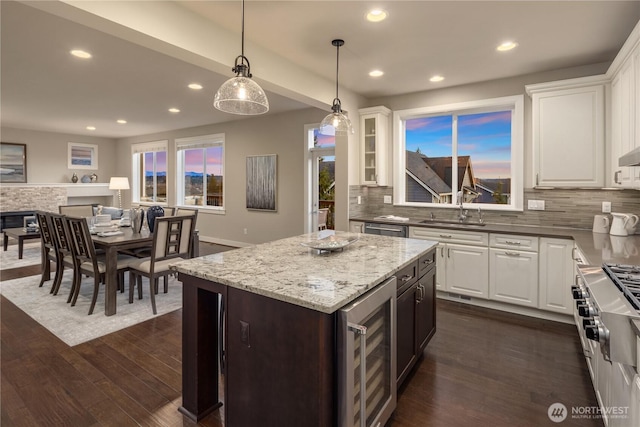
<point>323,281</point>
<point>598,248</point>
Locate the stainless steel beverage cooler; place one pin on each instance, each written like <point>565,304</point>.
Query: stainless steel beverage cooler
<point>368,326</point>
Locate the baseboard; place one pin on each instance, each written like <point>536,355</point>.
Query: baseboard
<point>509,308</point>
<point>224,242</point>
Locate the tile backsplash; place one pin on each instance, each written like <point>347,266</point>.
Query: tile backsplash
<point>573,208</point>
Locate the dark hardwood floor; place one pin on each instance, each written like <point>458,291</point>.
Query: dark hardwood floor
<point>482,368</point>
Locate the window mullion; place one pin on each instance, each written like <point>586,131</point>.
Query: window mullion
<point>454,159</point>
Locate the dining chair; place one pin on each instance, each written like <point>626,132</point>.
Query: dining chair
<point>63,251</point>
<point>49,250</point>
<point>172,240</point>
<point>195,240</point>
<point>88,262</point>
<point>322,218</point>
<point>76,210</point>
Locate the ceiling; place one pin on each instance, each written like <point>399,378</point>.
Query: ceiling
<point>44,88</point>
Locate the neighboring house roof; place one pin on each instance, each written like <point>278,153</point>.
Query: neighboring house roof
<point>418,166</point>
<point>442,167</point>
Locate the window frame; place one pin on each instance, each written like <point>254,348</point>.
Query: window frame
<point>137,150</point>
<point>203,142</point>
<point>514,103</point>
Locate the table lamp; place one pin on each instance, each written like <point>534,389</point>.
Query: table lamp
<point>119,183</point>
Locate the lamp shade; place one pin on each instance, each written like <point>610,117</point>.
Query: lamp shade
<point>119,183</point>
<point>241,95</point>
<point>335,124</point>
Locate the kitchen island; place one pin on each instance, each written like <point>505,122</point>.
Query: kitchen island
<point>277,324</point>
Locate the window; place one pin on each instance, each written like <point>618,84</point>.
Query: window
<point>470,152</point>
<point>150,172</point>
<point>200,162</point>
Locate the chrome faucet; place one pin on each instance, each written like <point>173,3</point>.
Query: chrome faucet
<point>480,218</point>
<point>463,212</point>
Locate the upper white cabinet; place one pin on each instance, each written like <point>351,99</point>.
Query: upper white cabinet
<point>568,132</point>
<point>625,111</point>
<point>375,150</point>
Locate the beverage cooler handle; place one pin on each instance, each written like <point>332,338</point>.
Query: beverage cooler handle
<point>221,349</point>
<point>362,331</point>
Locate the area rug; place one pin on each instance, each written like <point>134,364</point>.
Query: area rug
<point>30,256</point>
<point>72,324</point>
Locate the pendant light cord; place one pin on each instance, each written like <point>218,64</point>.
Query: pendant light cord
<point>337,66</point>
<point>242,49</point>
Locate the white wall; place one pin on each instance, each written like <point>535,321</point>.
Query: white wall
<point>281,134</point>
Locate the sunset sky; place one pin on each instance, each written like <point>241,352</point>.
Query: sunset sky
<point>486,137</point>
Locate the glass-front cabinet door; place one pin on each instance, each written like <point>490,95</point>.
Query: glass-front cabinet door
<point>375,150</point>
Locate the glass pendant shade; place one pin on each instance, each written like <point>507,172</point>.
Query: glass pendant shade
<point>336,124</point>
<point>241,95</point>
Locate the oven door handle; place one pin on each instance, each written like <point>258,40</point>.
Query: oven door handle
<point>362,331</point>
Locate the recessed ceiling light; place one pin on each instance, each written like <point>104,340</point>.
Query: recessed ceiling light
<point>376,73</point>
<point>436,79</point>
<point>91,128</point>
<point>195,86</point>
<point>121,121</point>
<point>506,46</point>
<point>80,54</point>
<point>377,15</point>
<point>174,110</point>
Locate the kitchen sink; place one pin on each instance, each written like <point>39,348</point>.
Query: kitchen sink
<point>452,222</point>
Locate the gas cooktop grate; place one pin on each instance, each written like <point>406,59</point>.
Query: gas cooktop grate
<point>627,279</point>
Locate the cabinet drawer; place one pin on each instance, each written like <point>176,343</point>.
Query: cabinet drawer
<point>426,263</point>
<point>407,276</point>
<point>449,236</point>
<point>510,241</point>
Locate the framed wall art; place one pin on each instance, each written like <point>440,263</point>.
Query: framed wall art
<point>13,162</point>
<point>262,182</point>
<point>82,156</point>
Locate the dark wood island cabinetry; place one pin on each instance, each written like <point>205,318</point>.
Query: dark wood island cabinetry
<point>416,312</point>
<point>276,327</point>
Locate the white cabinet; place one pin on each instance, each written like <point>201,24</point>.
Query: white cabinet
<point>620,395</point>
<point>462,260</point>
<point>568,132</point>
<point>467,270</point>
<point>513,269</point>
<point>625,113</point>
<point>356,226</point>
<point>375,159</point>
<point>634,409</point>
<point>557,272</point>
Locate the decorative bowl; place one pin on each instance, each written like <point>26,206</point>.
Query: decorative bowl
<point>330,243</point>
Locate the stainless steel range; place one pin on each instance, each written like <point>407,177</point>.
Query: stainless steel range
<point>607,301</point>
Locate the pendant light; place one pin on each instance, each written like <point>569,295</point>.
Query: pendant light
<point>240,94</point>
<point>336,123</point>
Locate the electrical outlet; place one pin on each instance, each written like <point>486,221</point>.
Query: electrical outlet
<point>387,199</point>
<point>359,200</point>
<point>606,207</point>
<point>245,231</point>
<point>535,205</point>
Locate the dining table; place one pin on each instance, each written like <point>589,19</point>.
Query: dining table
<point>124,241</point>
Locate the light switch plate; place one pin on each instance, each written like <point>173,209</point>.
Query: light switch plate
<point>387,199</point>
